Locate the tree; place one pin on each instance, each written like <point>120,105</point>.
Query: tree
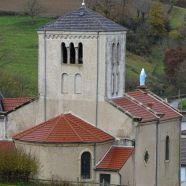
<point>33,8</point>
<point>157,20</point>
<point>143,7</point>
<point>172,62</point>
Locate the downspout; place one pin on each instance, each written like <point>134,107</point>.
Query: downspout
<point>97,83</point>
<point>157,134</point>
<point>45,58</point>
<point>179,173</point>
<point>120,176</point>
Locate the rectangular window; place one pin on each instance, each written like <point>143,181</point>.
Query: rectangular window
<point>183,174</point>
<point>105,179</point>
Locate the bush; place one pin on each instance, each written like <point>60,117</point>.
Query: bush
<point>174,34</point>
<point>17,165</point>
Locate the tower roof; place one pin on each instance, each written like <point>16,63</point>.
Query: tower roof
<point>83,20</point>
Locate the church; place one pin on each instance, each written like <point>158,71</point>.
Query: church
<point>83,126</point>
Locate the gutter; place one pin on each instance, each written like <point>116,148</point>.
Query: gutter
<point>120,176</point>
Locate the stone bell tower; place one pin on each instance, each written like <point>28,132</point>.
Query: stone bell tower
<point>81,62</point>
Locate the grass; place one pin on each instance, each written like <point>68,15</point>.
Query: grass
<point>19,48</point>
<point>178,17</point>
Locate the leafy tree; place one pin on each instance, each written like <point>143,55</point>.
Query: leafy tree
<point>157,20</point>
<point>172,62</point>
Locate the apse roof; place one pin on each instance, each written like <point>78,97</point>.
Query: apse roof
<point>65,128</point>
<point>83,20</point>
<point>115,158</point>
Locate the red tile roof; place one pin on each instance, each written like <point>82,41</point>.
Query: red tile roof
<point>135,110</point>
<point>158,105</point>
<point>6,145</point>
<point>65,128</point>
<point>145,105</point>
<point>115,158</point>
<point>10,104</point>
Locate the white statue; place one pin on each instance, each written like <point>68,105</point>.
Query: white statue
<point>142,77</point>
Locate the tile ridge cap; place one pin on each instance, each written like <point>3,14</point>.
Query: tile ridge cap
<point>148,109</point>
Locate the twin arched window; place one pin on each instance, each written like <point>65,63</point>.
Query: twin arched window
<point>115,76</point>
<point>85,165</point>
<point>72,54</point>
<point>65,83</point>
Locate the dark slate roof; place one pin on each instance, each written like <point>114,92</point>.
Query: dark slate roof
<point>183,151</point>
<point>83,20</point>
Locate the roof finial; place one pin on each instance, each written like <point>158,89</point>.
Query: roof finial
<point>83,3</point>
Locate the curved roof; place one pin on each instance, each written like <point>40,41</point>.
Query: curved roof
<point>65,128</point>
<point>83,20</point>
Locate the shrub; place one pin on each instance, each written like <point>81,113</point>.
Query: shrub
<point>174,34</point>
<point>17,165</point>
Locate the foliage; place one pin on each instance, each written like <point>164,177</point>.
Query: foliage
<point>157,20</point>
<point>174,57</point>
<point>13,85</point>
<point>17,164</point>
<point>180,77</point>
<point>139,42</point>
<point>182,104</point>
<point>174,34</point>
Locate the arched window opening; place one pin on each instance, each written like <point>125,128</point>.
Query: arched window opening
<point>77,85</point>
<point>64,53</point>
<point>167,148</point>
<point>113,53</point>
<point>64,83</point>
<point>113,83</point>
<point>117,83</point>
<point>118,53</point>
<point>80,53</point>
<point>72,54</point>
<point>85,165</point>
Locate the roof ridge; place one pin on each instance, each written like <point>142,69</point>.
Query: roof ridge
<point>56,122</point>
<point>123,109</point>
<point>134,100</point>
<point>72,127</point>
<point>160,100</point>
<point>87,130</point>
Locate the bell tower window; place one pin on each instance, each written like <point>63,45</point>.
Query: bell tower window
<point>63,53</point>
<point>72,54</point>
<point>64,83</point>
<point>80,53</point>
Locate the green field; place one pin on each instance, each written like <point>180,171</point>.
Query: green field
<point>19,48</point>
<point>178,17</point>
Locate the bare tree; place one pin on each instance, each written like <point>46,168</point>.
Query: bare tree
<point>33,8</point>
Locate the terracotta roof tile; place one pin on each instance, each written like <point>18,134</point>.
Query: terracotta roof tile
<point>146,97</point>
<point>65,128</point>
<point>134,109</point>
<point>10,104</point>
<point>115,158</point>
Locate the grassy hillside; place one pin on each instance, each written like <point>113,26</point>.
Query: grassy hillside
<point>19,48</point>
<point>19,51</point>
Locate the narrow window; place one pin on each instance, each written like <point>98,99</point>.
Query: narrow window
<point>72,54</point>
<point>113,70</point>
<point>80,53</point>
<point>167,146</point>
<point>117,83</point>
<point>113,83</point>
<point>85,165</point>
<point>64,83</point>
<point>118,53</point>
<point>77,84</point>
<point>63,53</point>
